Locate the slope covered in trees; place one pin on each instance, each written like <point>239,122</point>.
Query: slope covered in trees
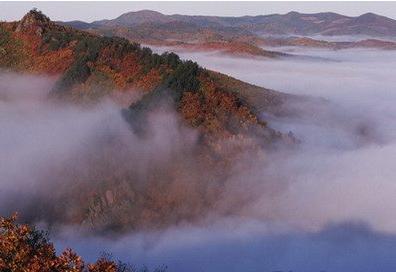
<point>181,185</point>
<point>90,67</point>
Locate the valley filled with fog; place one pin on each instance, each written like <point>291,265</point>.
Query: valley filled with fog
<point>340,183</point>
<point>344,169</point>
<point>331,212</point>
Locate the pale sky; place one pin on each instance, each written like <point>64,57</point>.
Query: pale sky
<point>90,11</point>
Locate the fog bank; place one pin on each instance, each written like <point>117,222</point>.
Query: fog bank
<point>328,206</point>
<point>344,170</point>
<point>336,212</point>
<point>252,246</point>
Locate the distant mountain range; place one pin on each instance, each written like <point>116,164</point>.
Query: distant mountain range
<point>247,36</point>
<point>292,23</point>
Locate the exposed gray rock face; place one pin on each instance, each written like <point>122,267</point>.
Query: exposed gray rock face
<point>34,21</point>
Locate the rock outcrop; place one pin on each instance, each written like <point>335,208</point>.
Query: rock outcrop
<point>34,22</point>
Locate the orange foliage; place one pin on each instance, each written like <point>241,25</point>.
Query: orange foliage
<point>119,81</point>
<point>31,42</point>
<point>215,111</point>
<point>33,59</point>
<point>130,67</point>
<point>103,265</point>
<point>54,62</point>
<point>149,81</point>
<point>191,108</point>
<point>22,248</point>
<point>122,70</point>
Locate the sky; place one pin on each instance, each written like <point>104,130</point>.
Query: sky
<point>91,11</point>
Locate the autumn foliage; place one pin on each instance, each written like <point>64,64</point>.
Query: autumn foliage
<point>23,248</point>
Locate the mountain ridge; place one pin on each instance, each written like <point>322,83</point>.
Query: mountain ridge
<point>247,36</point>
<point>325,23</point>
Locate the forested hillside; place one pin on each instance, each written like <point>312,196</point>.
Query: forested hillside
<point>182,185</point>
<point>91,67</point>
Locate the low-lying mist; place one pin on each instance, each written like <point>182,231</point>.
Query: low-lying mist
<point>344,168</point>
<point>326,206</point>
<point>65,164</point>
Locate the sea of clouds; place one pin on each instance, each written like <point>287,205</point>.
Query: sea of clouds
<point>334,214</point>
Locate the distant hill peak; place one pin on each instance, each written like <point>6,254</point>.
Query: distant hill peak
<point>144,12</point>
<point>294,14</point>
<point>141,17</point>
<point>369,16</point>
